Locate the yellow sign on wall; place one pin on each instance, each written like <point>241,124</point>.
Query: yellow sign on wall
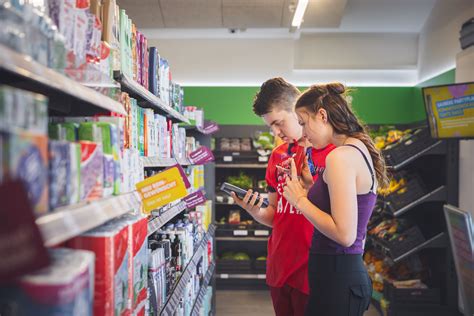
<point>450,110</point>
<point>161,189</point>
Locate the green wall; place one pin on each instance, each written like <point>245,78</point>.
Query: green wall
<point>374,105</point>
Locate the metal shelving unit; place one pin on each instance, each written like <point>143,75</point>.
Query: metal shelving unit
<point>437,195</point>
<point>157,222</point>
<point>70,221</point>
<point>177,293</point>
<point>202,292</point>
<point>65,95</point>
<point>147,98</point>
<point>226,276</point>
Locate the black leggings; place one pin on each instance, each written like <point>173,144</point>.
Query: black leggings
<point>339,286</point>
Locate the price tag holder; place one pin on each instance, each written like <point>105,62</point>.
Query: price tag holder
<point>224,276</point>
<point>241,232</point>
<point>228,158</point>
<point>262,233</point>
<point>262,158</point>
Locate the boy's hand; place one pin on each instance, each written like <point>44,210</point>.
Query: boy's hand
<point>247,203</point>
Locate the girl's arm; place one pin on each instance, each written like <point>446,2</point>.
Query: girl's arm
<point>341,225</point>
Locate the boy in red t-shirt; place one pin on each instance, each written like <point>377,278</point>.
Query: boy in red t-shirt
<point>288,246</point>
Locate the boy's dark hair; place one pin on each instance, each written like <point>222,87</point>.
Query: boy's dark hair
<point>275,93</point>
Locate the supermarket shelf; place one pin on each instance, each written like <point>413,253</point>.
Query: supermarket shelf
<point>136,90</point>
<point>202,292</point>
<point>260,239</point>
<point>433,149</point>
<point>21,71</point>
<point>241,276</point>
<point>241,165</point>
<point>438,194</point>
<point>158,221</point>
<point>157,162</point>
<point>439,240</point>
<point>70,221</point>
<point>177,293</point>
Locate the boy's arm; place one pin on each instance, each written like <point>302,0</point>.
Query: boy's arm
<point>262,215</point>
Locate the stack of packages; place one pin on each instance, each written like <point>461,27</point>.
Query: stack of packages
<point>120,247</point>
<point>24,145</point>
<point>171,250</point>
<point>153,135</point>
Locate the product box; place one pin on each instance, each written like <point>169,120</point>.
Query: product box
<point>137,230</point>
<point>92,170</point>
<point>62,12</point>
<point>141,131</point>
<point>110,245</point>
<point>28,161</point>
<point>109,141</point>
<point>134,123</point>
<point>116,143</point>
<point>63,131</point>
<point>59,173</point>
<point>74,173</point>
<point>152,70</point>
<point>22,110</point>
<point>65,287</point>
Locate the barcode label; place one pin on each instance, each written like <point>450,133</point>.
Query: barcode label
<point>228,158</point>
<point>241,232</point>
<point>262,233</point>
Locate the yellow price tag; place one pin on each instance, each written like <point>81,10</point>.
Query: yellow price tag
<point>161,189</point>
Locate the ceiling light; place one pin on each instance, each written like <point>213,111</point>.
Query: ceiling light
<point>299,13</point>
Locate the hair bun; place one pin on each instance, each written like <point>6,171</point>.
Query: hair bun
<point>335,88</point>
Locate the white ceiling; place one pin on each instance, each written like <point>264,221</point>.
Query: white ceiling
<point>321,15</point>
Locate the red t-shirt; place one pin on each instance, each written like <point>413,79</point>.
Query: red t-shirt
<point>288,246</point>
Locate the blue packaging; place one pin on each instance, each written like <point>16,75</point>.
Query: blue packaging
<point>59,173</point>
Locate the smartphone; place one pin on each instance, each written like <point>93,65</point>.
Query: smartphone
<point>229,188</point>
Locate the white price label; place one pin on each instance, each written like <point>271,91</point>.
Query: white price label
<point>262,233</point>
<point>241,232</point>
<point>261,276</point>
<point>228,159</point>
<point>224,276</point>
<point>262,158</point>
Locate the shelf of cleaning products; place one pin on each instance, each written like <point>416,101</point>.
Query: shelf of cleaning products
<point>146,98</point>
<point>165,215</point>
<point>157,162</point>
<point>177,293</point>
<point>202,291</point>
<point>70,221</point>
<point>437,195</point>
<point>21,71</point>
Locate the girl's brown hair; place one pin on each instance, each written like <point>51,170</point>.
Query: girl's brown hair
<point>332,98</point>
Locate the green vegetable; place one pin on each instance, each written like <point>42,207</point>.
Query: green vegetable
<point>242,181</point>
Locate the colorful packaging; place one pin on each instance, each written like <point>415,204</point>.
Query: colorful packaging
<point>110,245</point>
<point>62,12</point>
<point>80,35</point>
<point>92,170</point>
<point>144,61</point>
<point>135,123</point>
<point>108,132</point>
<point>153,71</point>
<point>116,138</point>
<point>137,232</point>
<point>134,53</point>
<point>28,161</point>
<point>64,131</point>
<point>75,173</point>
<point>22,110</point>
<point>141,131</point>
<point>65,287</point>
<point>59,173</point>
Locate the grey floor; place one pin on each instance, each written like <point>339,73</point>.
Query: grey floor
<point>251,303</point>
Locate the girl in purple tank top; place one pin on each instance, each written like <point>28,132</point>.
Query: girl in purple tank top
<point>340,202</point>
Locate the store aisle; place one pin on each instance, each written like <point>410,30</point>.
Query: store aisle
<point>252,303</point>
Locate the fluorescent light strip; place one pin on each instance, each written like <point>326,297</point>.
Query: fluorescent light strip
<point>299,13</point>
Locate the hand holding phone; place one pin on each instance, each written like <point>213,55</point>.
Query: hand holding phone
<point>240,193</point>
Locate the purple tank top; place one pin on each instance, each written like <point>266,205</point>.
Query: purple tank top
<point>319,195</point>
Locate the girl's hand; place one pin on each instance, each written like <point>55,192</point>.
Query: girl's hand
<point>294,189</point>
